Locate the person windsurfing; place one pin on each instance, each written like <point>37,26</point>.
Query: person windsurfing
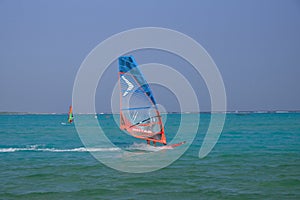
<point>154,143</point>
<point>71,117</point>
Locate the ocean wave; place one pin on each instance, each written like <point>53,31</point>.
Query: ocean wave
<point>42,148</point>
<point>36,149</point>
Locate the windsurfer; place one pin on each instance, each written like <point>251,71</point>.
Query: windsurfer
<point>154,143</point>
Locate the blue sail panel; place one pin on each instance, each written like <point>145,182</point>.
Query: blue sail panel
<point>128,64</point>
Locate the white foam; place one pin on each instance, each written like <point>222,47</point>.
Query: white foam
<point>12,149</point>
<point>79,149</point>
<point>146,147</point>
<point>42,148</point>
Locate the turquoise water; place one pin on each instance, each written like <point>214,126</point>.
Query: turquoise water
<point>256,157</point>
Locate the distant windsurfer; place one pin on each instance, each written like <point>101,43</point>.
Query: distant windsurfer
<point>71,117</point>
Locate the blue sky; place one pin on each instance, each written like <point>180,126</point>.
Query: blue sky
<point>255,45</point>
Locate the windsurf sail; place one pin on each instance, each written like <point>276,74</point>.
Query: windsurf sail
<point>139,115</point>
<point>70,115</point>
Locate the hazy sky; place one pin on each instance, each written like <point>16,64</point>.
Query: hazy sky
<point>255,44</point>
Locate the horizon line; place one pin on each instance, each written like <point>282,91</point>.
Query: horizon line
<point>172,112</point>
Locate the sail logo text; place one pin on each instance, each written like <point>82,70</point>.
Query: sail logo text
<point>141,130</point>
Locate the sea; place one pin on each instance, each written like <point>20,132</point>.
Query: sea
<point>257,156</point>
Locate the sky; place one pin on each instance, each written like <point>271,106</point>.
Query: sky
<point>255,45</point>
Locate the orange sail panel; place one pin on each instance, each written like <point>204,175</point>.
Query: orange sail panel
<point>139,115</point>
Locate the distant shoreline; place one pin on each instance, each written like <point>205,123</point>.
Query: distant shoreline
<point>204,112</point>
